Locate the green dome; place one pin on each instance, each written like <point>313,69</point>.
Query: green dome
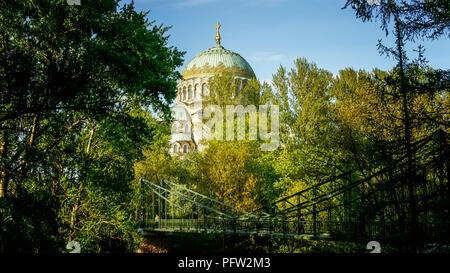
<point>217,60</point>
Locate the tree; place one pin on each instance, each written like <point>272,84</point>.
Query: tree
<point>302,95</point>
<point>368,115</point>
<point>73,79</point>
<point>227,173</point>
<point>303,98</point>
<point>410,20</point>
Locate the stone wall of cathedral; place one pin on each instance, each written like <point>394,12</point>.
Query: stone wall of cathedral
<point>190,94</point>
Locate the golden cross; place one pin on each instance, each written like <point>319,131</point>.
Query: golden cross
<point>218,38</point>
<point>218,26</point>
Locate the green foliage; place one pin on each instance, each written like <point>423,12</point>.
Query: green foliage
<point>28,223</point>
<point>321,246</point>
<point>78,84</point>
<point>302,95</point>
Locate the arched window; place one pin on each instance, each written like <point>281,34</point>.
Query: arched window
<point>184,93</point>
<point>175,148</point>
<point>185,148</point>
<point>196,91</point>
<point>244,83</point>
<point>190,92</point>
<point>204,90</point>
<point>186,128</point>
<point>174,128</point>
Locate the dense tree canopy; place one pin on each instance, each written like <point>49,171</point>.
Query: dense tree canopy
<point>74,81</point>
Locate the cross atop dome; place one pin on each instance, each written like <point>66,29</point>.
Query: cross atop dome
<point>218,38</point>
<point>216,61</point>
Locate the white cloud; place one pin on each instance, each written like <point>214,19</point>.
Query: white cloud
<point>263,56</point>
<point>276,57</point>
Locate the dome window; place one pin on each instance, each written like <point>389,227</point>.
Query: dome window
<point>185,148</point>
<point>244,83</point>
<point>190,92</point>
<point>204,90</point>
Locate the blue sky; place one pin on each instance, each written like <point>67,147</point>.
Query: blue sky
<point>270,33</point>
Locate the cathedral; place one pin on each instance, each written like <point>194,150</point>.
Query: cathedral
<point>187,128</point>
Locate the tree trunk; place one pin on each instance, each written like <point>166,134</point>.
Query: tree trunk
<point>27,151</point>
<point>407,127</point>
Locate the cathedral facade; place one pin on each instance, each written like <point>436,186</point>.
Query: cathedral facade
<point>187,128</point>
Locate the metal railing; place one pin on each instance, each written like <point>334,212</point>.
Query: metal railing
<point>168,206</point>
